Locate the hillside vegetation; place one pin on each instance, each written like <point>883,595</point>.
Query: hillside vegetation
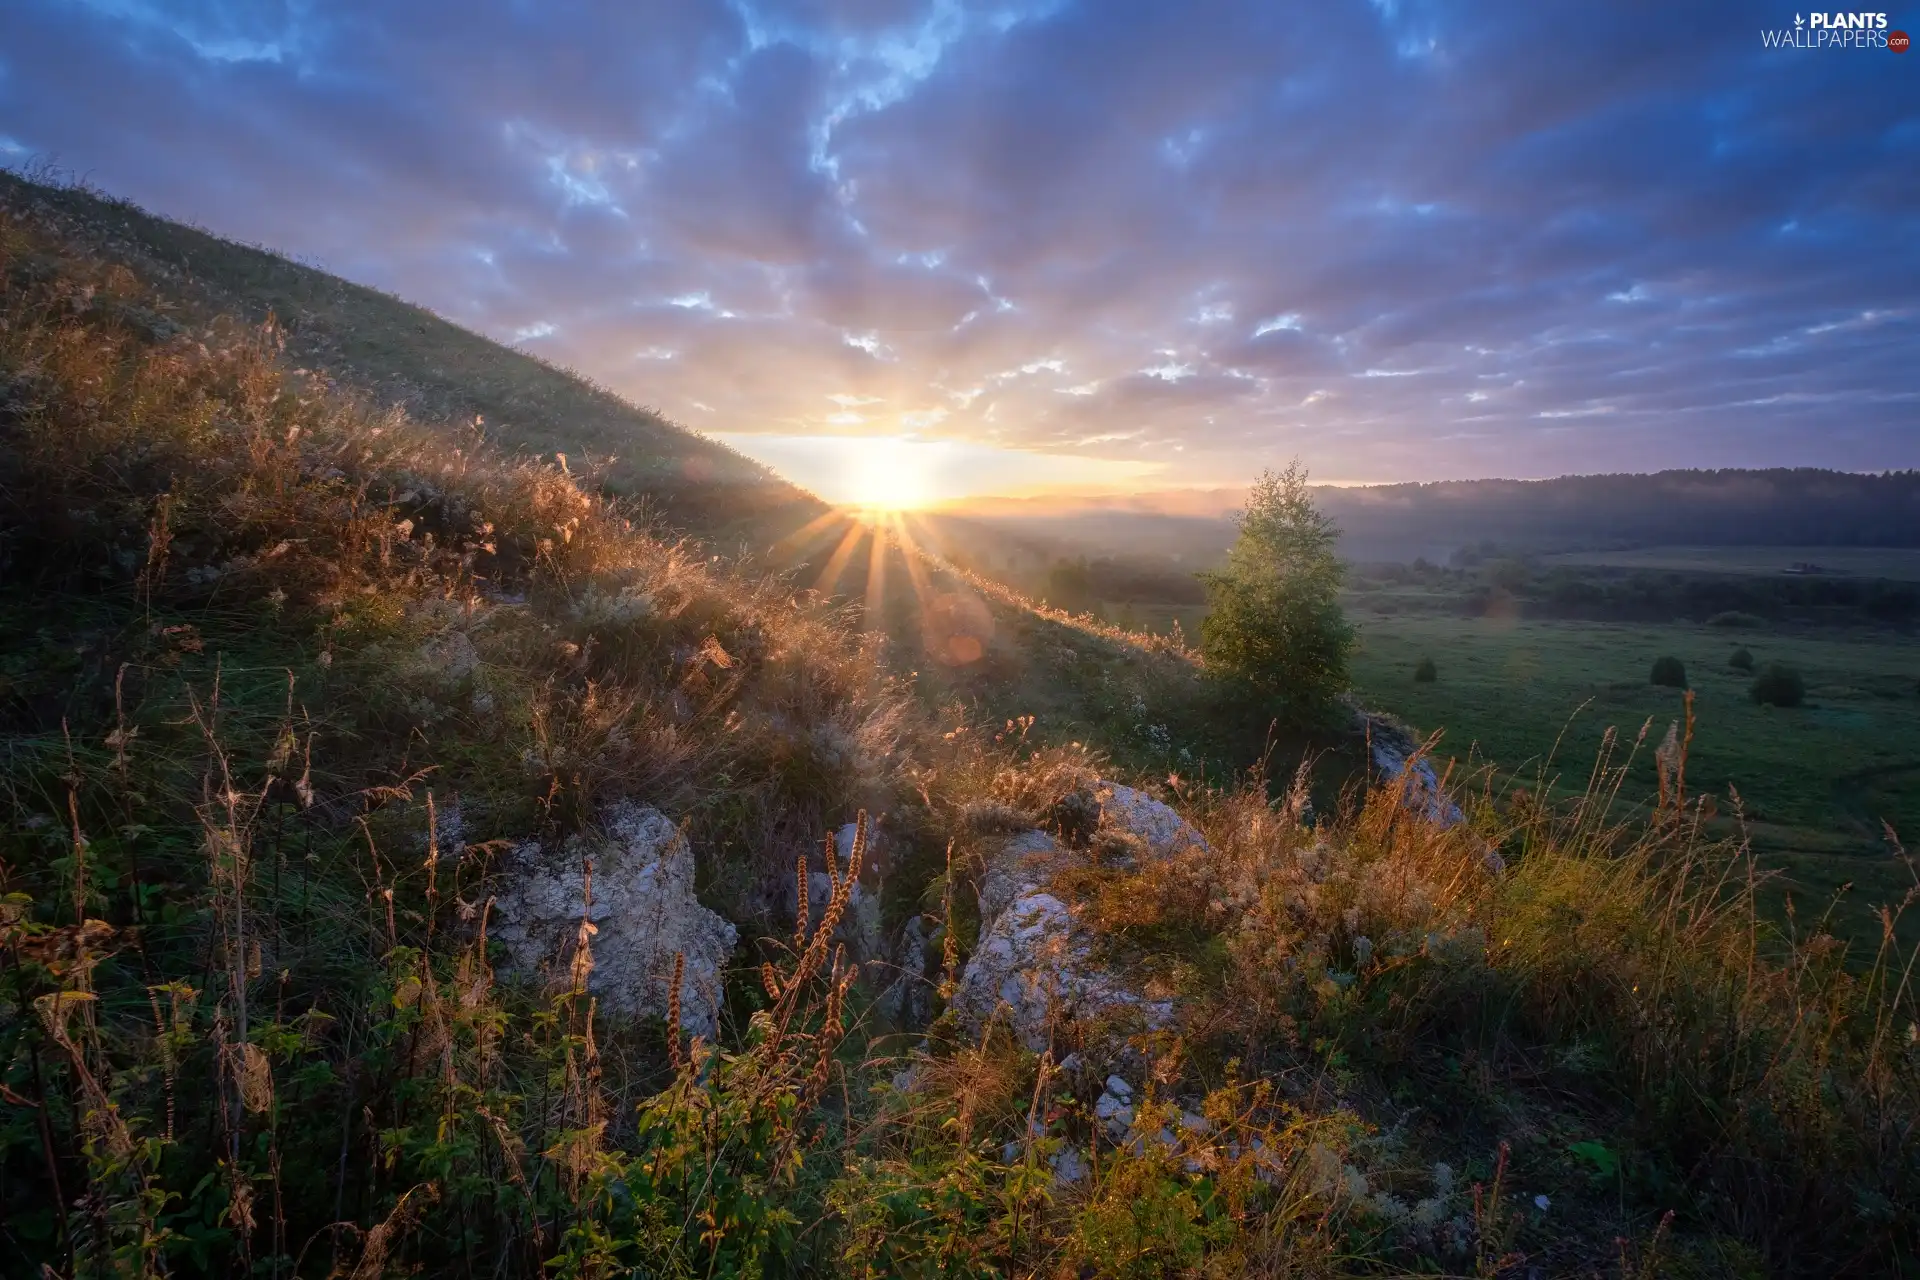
<point>290,679</point>
<point>396,353</point>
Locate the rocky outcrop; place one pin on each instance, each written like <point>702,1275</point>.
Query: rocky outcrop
<point>1138,816</point>
<point>643,913</point>
<point>1034,959</point>
<point>1396,761</point>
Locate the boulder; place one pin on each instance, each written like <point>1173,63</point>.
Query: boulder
<point>1396,761</point>
<point>643,912</point>
<point>1025,863</point>
<point>1033,958</point>
<point>1156,825</point>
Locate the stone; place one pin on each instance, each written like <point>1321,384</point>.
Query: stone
<point>1024,864</point>
<point>643,913</point>
<point>1114,1113</point>
<point>1070,1167</point>
<point>1037,964</point>
<point>859,927</point>
<point>1396,762</point>
<point>1135,813</point>
<point>908,999</point>
<point>1033,959</point>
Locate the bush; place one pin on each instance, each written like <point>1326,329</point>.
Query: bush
<point>1426,672</point>
<point>1742,659</point>
<point>1780,685</point>
<point>1275,623</point>
<point>1735,618</point>
<point>1669,671</point>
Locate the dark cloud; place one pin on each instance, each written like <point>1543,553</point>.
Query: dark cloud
<point>1401,238</point>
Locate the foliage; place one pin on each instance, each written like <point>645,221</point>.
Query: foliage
<point>1779,685</point>
<point>1424,672</point>
<point>1668,672</point>
<point>1742,659</point>
<point>1275,624</point>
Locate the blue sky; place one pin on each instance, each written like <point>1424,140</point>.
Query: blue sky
<point>1114,242</point>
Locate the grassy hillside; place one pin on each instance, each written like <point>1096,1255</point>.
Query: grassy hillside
<point>398,353</point>
<point>287,677</point>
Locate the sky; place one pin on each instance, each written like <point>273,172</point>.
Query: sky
<point>932,247</point>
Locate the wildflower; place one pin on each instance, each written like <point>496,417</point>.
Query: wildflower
<point>1541,1203</point>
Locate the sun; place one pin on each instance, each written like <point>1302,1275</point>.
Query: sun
<point>887,473</point>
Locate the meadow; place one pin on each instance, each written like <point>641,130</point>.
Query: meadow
<point>1899,564</point>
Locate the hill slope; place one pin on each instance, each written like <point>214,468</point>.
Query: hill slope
<point>398,353</point>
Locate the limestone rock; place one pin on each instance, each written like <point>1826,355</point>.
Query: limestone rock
<point>1033,957</point>
<point>643,912</point>
<point>1393,757</point>
<point>1137,814</point>
<point>1036,962</point>
<point>859,926</point>
<point>908,999</point>
<point>1024,864</point>
<point>1114,1109</point>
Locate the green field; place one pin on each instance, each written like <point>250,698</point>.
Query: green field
<point>1816,781</point>
<point>1902,564</point>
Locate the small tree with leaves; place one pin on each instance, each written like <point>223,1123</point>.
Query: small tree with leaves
<point>1275,623</point>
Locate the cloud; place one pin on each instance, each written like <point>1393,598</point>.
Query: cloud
<point>1586,236</point>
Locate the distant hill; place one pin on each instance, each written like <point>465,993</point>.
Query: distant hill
<point>1800,507</point>
<point>1803,507</point>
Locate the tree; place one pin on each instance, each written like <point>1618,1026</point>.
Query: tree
<point>1780,685</point>
<point>1742,659</point>
<point>1274,623</point>
<point>1425,672</point>
<point>1669,671</point>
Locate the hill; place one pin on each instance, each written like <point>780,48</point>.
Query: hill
<point>414,863</point>
<point>1437,520</point>
<point>395,353</point>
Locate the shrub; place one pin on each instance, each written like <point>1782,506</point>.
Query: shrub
<point>1735,618</point>
<point>1779,685</point>
<point>1742,659</point>
<point>1426,672</point>
<point>1275,623</point>
<point>1669,671</point>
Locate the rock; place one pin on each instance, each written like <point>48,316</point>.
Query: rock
<point>450,656</point>
<point>644,912</point>
<point>1396,761</point>
<point>1033,958</point>
<point>908,1000</point>
<point>1135,813</point>
<point>1024,864</point>
<point>859,926</point>
<point>1036,963</point>
<point>1114,1113</point>
<point>1070,1167</point>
